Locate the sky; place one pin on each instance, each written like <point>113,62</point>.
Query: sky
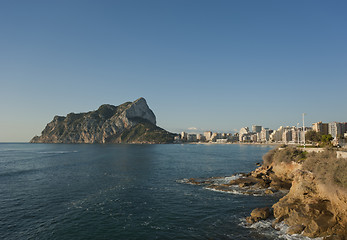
<point>206,65</point>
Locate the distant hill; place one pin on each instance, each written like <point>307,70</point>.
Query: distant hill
<point>130,122</point>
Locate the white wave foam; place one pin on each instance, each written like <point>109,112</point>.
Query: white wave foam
<point>184,180</point>
<point>280,232</point>
<point>217,181</point>
<point>232,191</point>
<point>8,150</point>
<point>57,152</point>
<point>227,180</point>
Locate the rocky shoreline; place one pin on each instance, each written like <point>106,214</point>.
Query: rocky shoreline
<point>313,197</point>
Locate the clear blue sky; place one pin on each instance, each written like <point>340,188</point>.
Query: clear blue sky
<point>217,65</point>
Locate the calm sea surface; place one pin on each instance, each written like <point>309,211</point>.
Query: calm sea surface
<point>58,191</point>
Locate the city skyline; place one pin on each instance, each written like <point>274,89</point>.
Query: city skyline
<point>336,132</point>
<point>200,64</point>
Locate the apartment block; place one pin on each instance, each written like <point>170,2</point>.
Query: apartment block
<point>336,129</point>
<point>256,129</point>
<point>208,135</point>
<point>320,127</point>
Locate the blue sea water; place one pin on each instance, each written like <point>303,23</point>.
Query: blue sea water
<point>81,191</point>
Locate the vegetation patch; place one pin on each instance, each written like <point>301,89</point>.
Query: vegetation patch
<point>144,131</point>
<point>326,167</point>
<point>286,155</point>
<point>318,138</point>
<point>106,111</point>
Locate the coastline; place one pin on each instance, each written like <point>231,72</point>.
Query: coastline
<point>311,185</point>
<point>316,204</point>
<point>231,143</point>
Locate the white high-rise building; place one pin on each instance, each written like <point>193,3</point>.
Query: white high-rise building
<point>264,135</point>
<point>208,135</point>
<point>243,131</point>
<point>336,129</point>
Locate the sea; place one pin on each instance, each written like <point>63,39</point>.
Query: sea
<point>97,191</point>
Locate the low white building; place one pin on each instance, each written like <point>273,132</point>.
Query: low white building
<point>222,140</point>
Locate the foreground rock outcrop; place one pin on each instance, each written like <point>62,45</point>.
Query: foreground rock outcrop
<point>316,205</point>
<point>311,209</point>
<point>313,187</point>
<point>131,122</point>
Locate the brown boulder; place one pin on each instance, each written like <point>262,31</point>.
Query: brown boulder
<point>259,214</point>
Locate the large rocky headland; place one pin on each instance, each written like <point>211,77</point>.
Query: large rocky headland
<point>130,122</point>
<point>313,186</point>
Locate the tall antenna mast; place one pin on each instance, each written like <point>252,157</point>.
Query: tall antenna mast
<point>303,128</point>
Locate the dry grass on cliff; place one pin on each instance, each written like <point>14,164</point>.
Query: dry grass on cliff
<point>327,168</point>
<point>268,157</point>
<point>285,155</point>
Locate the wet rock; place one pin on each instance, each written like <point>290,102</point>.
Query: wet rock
<point>258,175</point>
<point>244,182</point>
<point>269,191</point>
<point>193,181</point>
<point>297,229</point>
<point>275,222</point>
<point>342,236</point>
<point>196,181</point>
<point>259,214</point>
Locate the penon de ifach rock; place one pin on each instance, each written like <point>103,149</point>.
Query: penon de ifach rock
<point>130,122</point>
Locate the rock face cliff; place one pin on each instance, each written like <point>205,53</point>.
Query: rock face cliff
<point>313,209</point>
<point>131,122</point>
<point>316,205</point>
